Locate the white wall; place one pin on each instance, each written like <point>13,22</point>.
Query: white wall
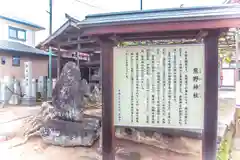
<point>30,32</point>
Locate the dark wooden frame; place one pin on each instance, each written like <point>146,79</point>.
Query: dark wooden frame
<point>210,105</point>
<point>212,29</point>
<point>108,140</point>
<point>209,141</point>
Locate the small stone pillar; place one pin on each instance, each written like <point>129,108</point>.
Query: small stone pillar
<point>15,98</point>
<point>42,86</point>
<point>54,81</point>
<point>6,90</point>
<point>34,88</point>
<point>49,89</point>
<point>8,86</point>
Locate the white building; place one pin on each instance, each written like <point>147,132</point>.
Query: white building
<point>18,30</point>
<point>17,45</point>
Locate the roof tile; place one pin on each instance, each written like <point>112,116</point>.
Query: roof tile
<point>19,47</point>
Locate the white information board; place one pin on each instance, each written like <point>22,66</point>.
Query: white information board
<point>159,86</point>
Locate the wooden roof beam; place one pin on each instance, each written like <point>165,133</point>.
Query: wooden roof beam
<point>164,26</point>
<point>79,41</point>
<point>85,50</point>
<point>157,36</point>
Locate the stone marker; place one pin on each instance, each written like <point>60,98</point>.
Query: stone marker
<point>42,86</point>
<point>34,88</point>
<point>68,106</point>
<point>7,90</point>
<point>28,99</point>
<point>67,94</point>
<point>16,93</point>
<point>54,80</point>
<point>49,89</point>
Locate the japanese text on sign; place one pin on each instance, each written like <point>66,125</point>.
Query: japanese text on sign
<point>159,86</point>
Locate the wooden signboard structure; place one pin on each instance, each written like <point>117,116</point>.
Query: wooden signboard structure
<point>164,84</point>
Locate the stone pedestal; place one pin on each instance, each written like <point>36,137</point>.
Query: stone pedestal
<point>67,133</point>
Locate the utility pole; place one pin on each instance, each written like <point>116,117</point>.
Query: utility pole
<point>50,49</point>
<point>141,5</point>
<point>50,17</point>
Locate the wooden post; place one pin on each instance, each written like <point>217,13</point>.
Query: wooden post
<point>58,63</point>
<point>209,145</point>
<point>89,73</point>
<point>108,130</point>
<point>100,70</point>
<point>78,48</point>
<point>77,59</point>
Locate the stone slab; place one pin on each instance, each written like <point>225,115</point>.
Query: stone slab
<point>66,134</point>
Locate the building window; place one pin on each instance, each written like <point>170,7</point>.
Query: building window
<point>16,60</point>
<point>17,33</point>
<point>3,60</point>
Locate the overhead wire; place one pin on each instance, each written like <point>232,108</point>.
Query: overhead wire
<point>90,5</point>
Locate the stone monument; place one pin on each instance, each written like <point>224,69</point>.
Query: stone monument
<point>67,126</point>
<point>28,99</point>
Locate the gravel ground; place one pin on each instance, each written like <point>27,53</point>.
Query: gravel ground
<point>126,150</point>
<point>35,149</point>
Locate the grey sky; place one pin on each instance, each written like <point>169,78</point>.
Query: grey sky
<point>35,10</point>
